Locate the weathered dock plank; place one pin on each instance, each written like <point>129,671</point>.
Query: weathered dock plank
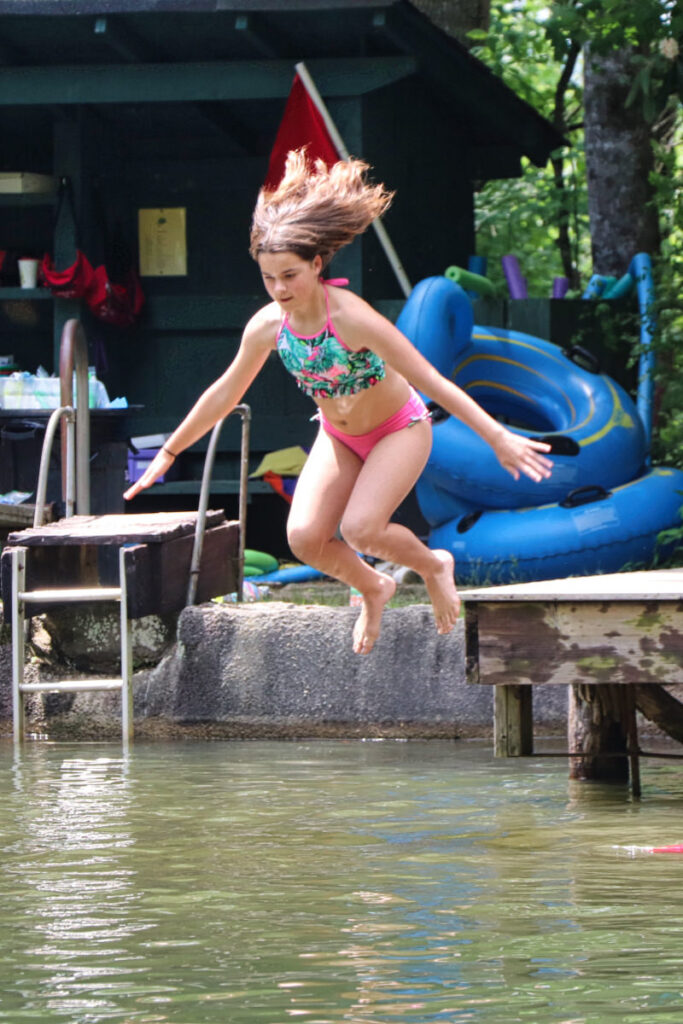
<point>587,642</point>
<point>147,528</point>
<point>623,628</point>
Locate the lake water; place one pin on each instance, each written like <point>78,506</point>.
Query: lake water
<point>333,883</point>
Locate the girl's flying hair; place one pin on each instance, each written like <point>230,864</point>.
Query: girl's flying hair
<point>316,210</point>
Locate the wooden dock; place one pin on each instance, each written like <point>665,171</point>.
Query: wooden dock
<point>598,631</point>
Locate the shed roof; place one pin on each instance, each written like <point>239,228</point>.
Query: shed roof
<point>130,57</point>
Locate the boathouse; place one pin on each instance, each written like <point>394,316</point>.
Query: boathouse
<point>171,107</point>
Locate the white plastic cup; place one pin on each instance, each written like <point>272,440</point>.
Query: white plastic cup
<point>28,273</point>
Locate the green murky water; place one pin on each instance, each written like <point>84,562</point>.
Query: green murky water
<point>326,882</point>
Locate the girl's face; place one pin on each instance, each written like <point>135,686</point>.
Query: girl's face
<point>290,280</point>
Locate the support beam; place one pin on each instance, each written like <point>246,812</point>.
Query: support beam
<point>193,82</point>
<point>662,708</point>
<point>513,721</point>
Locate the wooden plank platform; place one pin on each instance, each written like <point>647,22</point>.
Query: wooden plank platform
<point>82,551</point>
<point>619,586</point>
<point>146,528</point>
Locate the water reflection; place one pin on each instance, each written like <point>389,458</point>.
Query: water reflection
<point>332,882</point>
<point>71,890</point>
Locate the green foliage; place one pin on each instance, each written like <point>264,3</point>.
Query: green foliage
<point>520,216</point>
<point>668,182</point>
<point>653,29</point>
<point>523,215</point>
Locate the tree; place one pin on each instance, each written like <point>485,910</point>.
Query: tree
<point>631,69</point>
<point>542,216</point>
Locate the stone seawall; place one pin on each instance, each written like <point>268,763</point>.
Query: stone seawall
<point>283,670</point>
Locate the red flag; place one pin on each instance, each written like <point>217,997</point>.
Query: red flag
<point>302,125</point>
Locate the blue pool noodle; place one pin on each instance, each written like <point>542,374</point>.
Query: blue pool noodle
<point>640,270</point>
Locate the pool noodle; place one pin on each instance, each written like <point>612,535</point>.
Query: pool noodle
<point>560,287</point>
<point>621,287</point>
<point>513,275</point>
<point>641,272</point>
<point>598,285</point>
<point>470,281</point>
<point>477,265</point>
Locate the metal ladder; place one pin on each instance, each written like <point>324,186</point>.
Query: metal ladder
<point>21,598</point>
<point>75,455</point>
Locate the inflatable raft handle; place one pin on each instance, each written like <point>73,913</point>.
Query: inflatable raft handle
<point>468,521</point>
<point>588,357</point>
<point>437,412</point>
<point>585,495</point>
<point>560,444</point>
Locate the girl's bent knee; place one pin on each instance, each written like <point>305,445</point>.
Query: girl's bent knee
<point>304,543</point>
<point>360,534</point>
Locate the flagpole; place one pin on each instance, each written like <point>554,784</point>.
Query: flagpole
<point>377,225</point>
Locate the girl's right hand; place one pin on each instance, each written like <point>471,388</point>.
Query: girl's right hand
<point>161,462</point>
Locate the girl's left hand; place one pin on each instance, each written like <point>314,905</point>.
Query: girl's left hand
<point>518,454</point>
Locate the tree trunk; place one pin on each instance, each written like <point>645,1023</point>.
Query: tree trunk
<point>558,161</point>
<point>618,162</point>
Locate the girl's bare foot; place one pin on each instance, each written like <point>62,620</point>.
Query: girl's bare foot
<point>367,625</point>
<point>442,593</point>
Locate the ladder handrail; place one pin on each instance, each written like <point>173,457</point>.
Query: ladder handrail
<point>73,353</point>
<point>69,491</point>
<point>245,412</point>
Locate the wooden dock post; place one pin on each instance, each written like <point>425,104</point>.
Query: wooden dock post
<point>513,729</point>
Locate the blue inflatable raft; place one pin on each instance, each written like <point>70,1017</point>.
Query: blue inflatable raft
<point>590,421</point>
<point>591,531</point>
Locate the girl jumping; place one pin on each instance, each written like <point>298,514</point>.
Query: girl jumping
<point>361,372</point>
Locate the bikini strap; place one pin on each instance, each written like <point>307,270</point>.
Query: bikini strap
<point>328,323</point>
<point>338,282</point>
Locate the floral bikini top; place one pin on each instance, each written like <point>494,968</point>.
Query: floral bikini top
<point>322,365</point>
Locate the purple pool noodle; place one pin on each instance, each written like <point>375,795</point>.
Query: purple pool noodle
<point>513,276</point>
<point>560,287</point>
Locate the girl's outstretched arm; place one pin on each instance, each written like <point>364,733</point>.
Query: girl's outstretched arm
<point>214,403</point>
<point>515,452</point>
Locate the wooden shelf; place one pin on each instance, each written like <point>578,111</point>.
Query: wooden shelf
<point>28,198</point>
<point>25,293</point>
<point>217,487</point>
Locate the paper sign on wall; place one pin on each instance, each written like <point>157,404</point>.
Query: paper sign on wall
<point>163,244</point>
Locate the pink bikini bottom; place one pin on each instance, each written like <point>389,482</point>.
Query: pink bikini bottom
<point>362,444</point>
